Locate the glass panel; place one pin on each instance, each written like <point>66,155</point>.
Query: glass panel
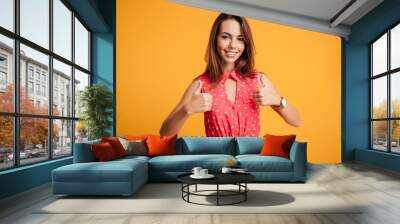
<point>35,21</point>
<point>81,45</point>
<point>395,136</point>
<point>379,55</point>
<point>6,74</point>
<point>379,95</point>
<point>6,142</point>
<point>395,95</point>
<point>395,47</point>
<point>81,131</point>
<point>62,138</point>
<point>81,81</point>
<point>34,81</point>
<point>379,135</point>
<point>62,89</point>
<point>33,139</point>
<point>7,14</point>
<point>62,29</point>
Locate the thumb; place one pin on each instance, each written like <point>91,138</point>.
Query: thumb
<point>261,82</point>
<point>198,89</point>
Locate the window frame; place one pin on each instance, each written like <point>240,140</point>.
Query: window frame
<point>16,114</point>
<point>388,74</point>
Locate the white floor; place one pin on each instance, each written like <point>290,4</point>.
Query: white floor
<point>378,189</point>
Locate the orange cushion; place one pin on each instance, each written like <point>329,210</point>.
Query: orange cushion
<point>103,151</point>
<point>133,137</point>
<point>116,145</point>
<point>277,145</point>
<point>164,145</point>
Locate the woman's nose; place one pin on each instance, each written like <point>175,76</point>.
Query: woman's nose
<point>232,44</point>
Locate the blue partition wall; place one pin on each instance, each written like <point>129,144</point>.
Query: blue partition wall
<point>356,86</point>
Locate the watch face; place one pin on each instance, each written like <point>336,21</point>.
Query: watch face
<point>283,101</point>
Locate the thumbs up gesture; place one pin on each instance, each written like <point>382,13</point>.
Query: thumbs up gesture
<point>199,102</point>
<point>266,94</point>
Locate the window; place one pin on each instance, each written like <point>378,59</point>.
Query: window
<point>385,94</point>
<point>54,126</point>
<point>3,78</point>
<point>30,87</point>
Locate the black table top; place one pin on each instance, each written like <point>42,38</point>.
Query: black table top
<point>220,178</point>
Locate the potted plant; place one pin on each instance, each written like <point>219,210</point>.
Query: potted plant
<point>96,102</point>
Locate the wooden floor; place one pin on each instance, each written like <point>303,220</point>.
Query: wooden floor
<point>377,188</point>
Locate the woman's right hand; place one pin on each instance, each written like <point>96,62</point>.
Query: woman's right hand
<point>199,102</point>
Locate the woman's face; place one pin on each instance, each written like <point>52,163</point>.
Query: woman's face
<point>230,41</point>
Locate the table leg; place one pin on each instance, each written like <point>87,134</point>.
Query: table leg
<point>217,194</point>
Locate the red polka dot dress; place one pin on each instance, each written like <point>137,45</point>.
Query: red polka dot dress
<point>227,118</point>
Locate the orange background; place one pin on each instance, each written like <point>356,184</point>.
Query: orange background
<point>161,47</point>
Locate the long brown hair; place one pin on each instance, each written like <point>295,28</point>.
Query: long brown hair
<point>244,64</point>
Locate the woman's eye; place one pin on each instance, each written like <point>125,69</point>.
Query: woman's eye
<point>224,37</point>
<point>241,39</point>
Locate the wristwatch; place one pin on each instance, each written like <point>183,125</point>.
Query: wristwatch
<point>282,103</point>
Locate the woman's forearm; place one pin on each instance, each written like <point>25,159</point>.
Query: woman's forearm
<point>289,114</point>
<point>174,122</point>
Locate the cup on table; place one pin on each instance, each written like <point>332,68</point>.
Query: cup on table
<point>203,172</point>
<point>226,170</point>
<point>196,171</point>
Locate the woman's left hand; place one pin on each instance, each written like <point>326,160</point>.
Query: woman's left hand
<point>266,94</point>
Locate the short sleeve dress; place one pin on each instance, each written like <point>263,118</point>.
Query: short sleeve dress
<point>232,119</point>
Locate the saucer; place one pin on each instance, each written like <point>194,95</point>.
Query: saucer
<point>208,176</point>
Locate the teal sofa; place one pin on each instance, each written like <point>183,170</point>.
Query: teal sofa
<point>125,176</point>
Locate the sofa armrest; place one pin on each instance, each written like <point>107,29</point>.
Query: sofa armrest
<point>83,152</point>
<point>298,155</point>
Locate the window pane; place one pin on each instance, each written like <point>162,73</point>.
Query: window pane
<point>62,29</point>
<point>379,55</point>
<point>395,136</point>
<point>81,131</point>
<point>6,142</point>
<point>395,94</point>
<point>395,47</point>
<point>379,95</point>
<point>34,78</point>
<point>81,81</point>
<point>62,89</point>
<point>33,140</point>
<point>7,14</point>
<point>6,74</point>
<point>62,138</point>
<point>81,45</point>
<point>379,135</point>
<point>35,21</point>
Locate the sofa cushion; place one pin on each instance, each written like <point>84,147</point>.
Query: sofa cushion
<point>103,151</point>
<point>277,145</point>
<point>185,163</point>
<point>249,145</point>
<point>111,171</point>
<point>207,145</point>
<point>257,163</point>
<point>161,145</point>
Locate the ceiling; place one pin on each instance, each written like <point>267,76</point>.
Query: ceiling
<point>326,16</point>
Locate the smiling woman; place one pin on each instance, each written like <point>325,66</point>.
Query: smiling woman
<point>231,90</point>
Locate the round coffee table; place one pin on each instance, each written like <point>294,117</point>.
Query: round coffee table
<point>239,179</point>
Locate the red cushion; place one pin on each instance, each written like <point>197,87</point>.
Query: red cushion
<point>277,145</point>
<point>135,137</point>
<point>116,145</point>
<point>158,146</point>
<point>103,151</point>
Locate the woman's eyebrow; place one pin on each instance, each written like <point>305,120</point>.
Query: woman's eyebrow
<point>231,34</point>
